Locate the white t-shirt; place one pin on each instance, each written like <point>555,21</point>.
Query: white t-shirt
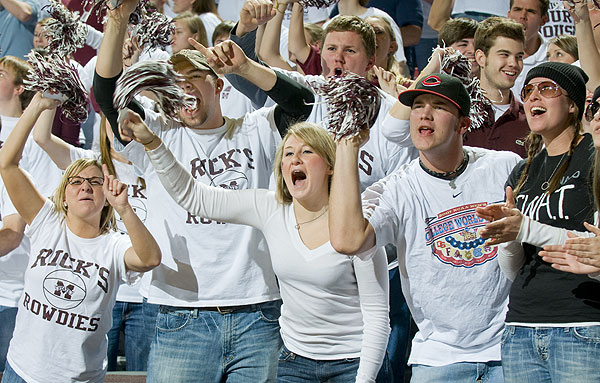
<point>46,176</point>
<point>334,306</point>
<point>559,22</point>
<point>312,15</point>
<point>378,157</point>
<point>233,103</point>
<point>372,11</point>
<point>497,8</point>
<point>13,264</point>
<point>136,196</point>
<point>453,284</point>
<point>66,308</point>
<point>35,161</point>
<point>210,21</point>
<point>201,264</point>
<point>528,63</point>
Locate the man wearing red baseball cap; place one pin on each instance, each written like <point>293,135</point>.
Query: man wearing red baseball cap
<point>450,277</point>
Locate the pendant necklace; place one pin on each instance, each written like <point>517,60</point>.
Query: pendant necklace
<point>297,226</point>
<point>546,184</point>
<point>448,176</point>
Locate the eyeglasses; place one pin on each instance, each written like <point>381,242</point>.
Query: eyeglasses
<point>591,110</point>
<point>547,88</point>
<point>93,181</point>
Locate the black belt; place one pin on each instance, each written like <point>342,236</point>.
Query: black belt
<point>223,309</point>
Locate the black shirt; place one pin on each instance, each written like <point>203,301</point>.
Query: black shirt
<point>541,294</point>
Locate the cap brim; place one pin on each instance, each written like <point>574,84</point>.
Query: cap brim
<point>408,97</point>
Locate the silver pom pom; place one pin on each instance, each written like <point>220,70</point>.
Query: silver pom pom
<point>55,75</point>
<point>158,77</point>
<point>154,31</point>
<point>456,64</point>
<point>65,32</point>
<point>316,3</point>
<point>353,102</point>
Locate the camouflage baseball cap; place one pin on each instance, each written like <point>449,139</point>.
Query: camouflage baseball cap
<point>194,57</point>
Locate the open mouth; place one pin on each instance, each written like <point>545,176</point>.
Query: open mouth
<point>537,111</point>
<point>425,131</point>
<point>338,71</point>
<point>510,73</point>
<point>191,110</point>
<point>298,177</point>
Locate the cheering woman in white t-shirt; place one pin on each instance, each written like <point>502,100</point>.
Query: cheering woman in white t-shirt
<point>334,316</point>
<point>76,263</point>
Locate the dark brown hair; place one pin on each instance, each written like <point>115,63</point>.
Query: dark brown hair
<point>457,29</point>
<point>494,27</point>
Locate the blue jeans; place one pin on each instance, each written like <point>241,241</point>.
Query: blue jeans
<point>294,368</point>
<point>131,319</point>
<point>551,354</point>
<point>192,345</point>
<point>10,376</point>
<point>400,327</point>
<point>7,325</point>
<point>463,372</point>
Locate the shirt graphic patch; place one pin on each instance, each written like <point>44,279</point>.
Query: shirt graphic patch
<point>454,237</point>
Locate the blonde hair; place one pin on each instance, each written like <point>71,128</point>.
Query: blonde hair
<point>107,218</point>
<point>195,25</point>
<point>315,137</point>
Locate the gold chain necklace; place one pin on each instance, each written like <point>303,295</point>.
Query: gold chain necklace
<point>314,219</point>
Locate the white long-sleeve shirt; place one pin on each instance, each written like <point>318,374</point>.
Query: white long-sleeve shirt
<point>334,306</point>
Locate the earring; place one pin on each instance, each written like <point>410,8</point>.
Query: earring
<point>65,204</point>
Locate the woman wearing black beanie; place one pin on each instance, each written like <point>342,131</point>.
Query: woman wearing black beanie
<point>552,331</point>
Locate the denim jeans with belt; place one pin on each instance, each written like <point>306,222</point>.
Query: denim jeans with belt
<point>551,354</point>
<point>294,368</point>
<point>193,345</point>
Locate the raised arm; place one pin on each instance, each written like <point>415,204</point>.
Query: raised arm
<point>144,253</point>
<point>109,64</point>
<point>244,34</point>
<point>19,9</point>
<point>11,234</point>
<point>440,13</point>
<point>219,204</point>
<point>23,194</point>
<point>57,149</point>
<point>293,99</point>
<point>349,231</point>
<point>589,56</point>
<point>269,50</point>
<point>297,44</point>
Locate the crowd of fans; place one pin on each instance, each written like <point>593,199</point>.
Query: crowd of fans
<point>450,236</point>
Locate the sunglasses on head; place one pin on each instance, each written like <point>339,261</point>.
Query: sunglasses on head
<point>547,88</point>
<point>591,110</point>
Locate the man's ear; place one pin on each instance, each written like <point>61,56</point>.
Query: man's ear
<point>19,90</point>
<point>370,63</point>
<point>219,85</point>
<point>480,57</point>
<point>464,124</point>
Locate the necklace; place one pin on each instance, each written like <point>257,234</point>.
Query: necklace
<point>448,176</point>
<point>310,220</point>
<point>546,184</point>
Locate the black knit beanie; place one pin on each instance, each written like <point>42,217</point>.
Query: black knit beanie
<point>571,78</point>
